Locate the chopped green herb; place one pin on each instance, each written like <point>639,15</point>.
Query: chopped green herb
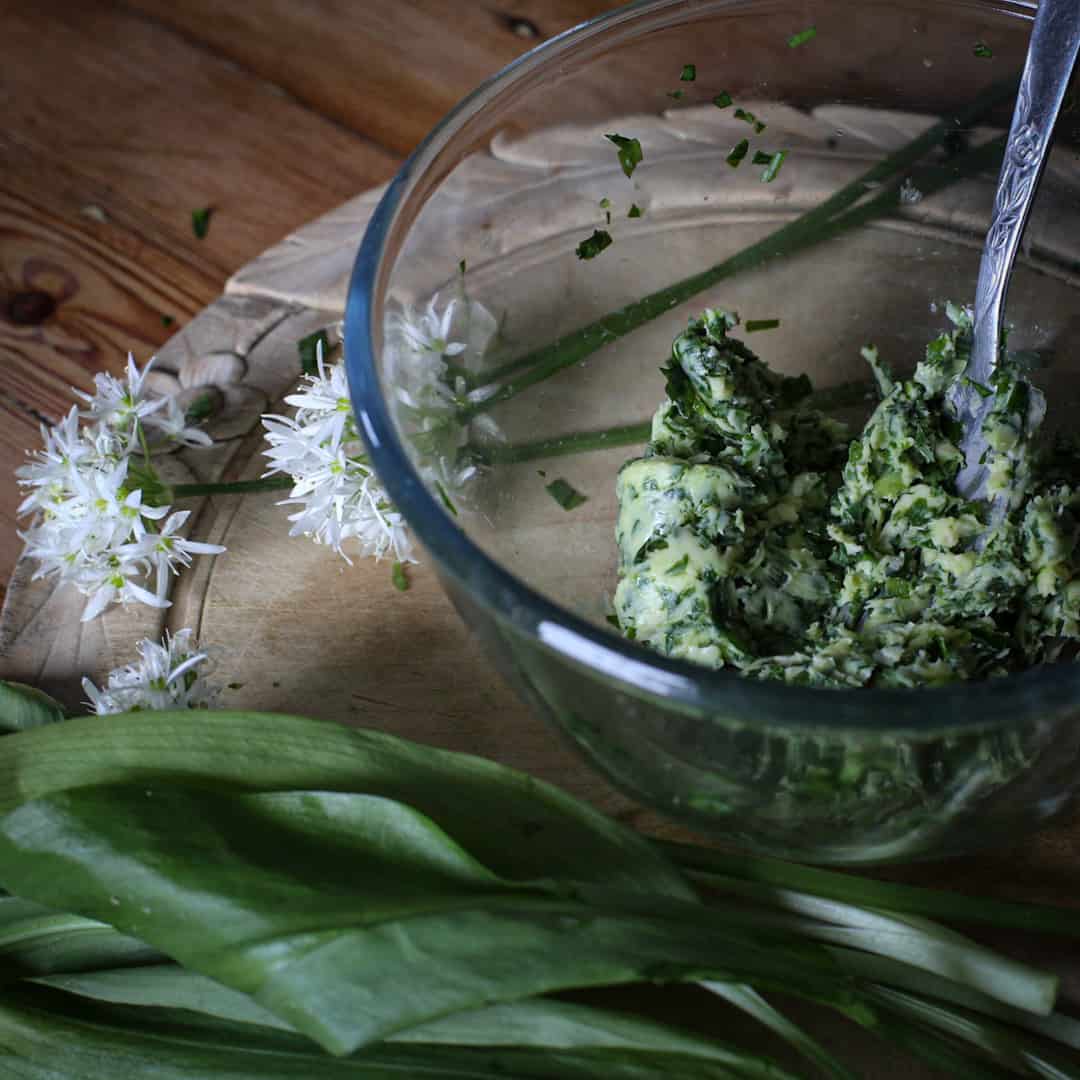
<point>461,266</point>
<point>897,586</point>
<point>802,37</point>
<point>605,203</point>
<point>309,349</point>
<point>983,51</point>
<point>978,387</point>
<point>613,621</point>
<point>541,472</point>
<point>200,221</point>
<point>445,498</point>
<point>689,73</point>
<point>399,577</point>
<point>678,95</point>
<point>634,211</point>
<point>738,152</point>
<point>590,247</point>
<point>761,158</point>
<point>200,408</point>
<point>679,566</point>
<point>758,125</point>
<point>630,154</point>
<point>722,100</point>
<point>753,325</point>
<point>769,175</point>
<point>234,686</point>
<point>564,494</point>
<point>167,321</point>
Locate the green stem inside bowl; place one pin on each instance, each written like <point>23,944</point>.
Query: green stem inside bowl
<point>821,223</point>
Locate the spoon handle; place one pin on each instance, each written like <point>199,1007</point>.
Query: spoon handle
<point>1052,51</point>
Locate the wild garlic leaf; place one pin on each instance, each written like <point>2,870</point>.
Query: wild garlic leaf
<point>381,921</point>
<point>23,707</point>
<point>50,1035</point>
<point>517,825</point>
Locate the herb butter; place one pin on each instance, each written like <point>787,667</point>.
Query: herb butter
<point>756,533</point>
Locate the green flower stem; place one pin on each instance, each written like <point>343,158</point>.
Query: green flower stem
<point>704,865</point>
<point>578,443</point>
<point>233,487</point>
<point>842,396</point>
<point>808,229</point>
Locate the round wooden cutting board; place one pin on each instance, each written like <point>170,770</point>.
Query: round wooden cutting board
<point>296,629</point>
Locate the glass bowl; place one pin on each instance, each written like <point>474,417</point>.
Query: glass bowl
<point>467,304</point>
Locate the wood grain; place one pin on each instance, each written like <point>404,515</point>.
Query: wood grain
<point>387,70</point>
<point>120,119</point>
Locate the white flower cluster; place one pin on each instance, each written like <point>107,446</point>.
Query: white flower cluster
<point>431,359</point>
<point>337,492</point>
<point>167,676</point>
<point>100,523</point>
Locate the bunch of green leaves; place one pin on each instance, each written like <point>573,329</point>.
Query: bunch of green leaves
<point>239,894</point>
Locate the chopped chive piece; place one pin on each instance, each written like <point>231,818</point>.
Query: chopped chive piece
<point>722,100</point>
<point>590,247</point>
<point>614,621</point>
<point>758,125</point>
<point>200,408</point>
<point>308,348</point>
<point>399,577</point>
<point>445,498</point>
<point>634,211</point>
<point>679,566</point>
<point>234,686</point>
<point>542,473</point>
<point>761,158</point>
<point>983,51</point>
<point>605,203</point>
<point>738,152</point>
<point>564,494</point>
<point>461,266</point>
<point>753,325</point>
<point>630,154</point>
<point>978,387</point>
<point>167,321</point>
<point>200,221</point>
<point>676,94</point>
<point>802,37</point>
<point>769,175</point>
<point>689,73</point>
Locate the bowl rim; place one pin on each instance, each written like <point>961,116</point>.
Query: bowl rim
<point>632,668</point>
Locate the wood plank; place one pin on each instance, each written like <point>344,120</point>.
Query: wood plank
<point>174,127</point>
<point>389,70</point>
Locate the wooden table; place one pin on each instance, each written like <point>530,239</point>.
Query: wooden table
<point>120,118</point>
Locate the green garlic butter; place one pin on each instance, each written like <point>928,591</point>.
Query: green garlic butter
<point>757,534</point>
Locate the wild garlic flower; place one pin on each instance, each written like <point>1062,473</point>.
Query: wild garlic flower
<point>98,500</point>
<point>338,496</point>
<point>167,675</point>
<point>433,363</point>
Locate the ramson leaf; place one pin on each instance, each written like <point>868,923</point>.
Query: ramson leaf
<point>516,825</point>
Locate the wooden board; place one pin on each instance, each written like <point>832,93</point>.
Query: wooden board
<point>301,631</point>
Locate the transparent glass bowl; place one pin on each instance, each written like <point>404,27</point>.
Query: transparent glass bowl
<point>484,220</point>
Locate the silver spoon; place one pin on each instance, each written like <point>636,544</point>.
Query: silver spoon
<point>1052,50</point>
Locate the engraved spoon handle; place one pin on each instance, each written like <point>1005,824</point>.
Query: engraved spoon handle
<point>1052,50</point>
